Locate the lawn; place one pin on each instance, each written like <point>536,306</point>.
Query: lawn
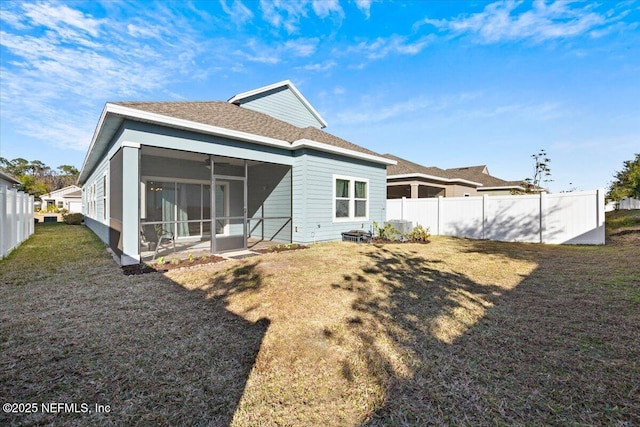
<point>454,331</point>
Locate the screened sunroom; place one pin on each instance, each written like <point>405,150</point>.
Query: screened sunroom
<point>193,203</point>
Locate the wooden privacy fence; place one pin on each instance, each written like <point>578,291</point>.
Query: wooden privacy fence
<point>16,219</point>
<point>568,218</point>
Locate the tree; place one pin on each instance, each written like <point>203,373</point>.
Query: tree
<point>36,177</point>
<point>627,181</point>
<point>541,171</point>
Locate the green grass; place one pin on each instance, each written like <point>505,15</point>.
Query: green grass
<point>454,332</point>
<point>623,219</point>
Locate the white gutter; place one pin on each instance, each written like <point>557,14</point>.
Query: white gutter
<point>517,187</point>
<point>132,113</point>
<point>433,177</point>
<point>307,143</point>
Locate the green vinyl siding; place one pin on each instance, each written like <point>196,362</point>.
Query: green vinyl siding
<point>284,105</point>
<point>313,195</point>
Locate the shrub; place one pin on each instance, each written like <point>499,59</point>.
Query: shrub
<point>388,232</point>
<point>418,234</point>
<point>73,219</point>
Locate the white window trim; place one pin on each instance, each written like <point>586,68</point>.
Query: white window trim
<point>105,200</point>
<point>352,199</point>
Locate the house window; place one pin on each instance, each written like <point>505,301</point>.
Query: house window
<point>104,197</point>
<point>92,200</point>
<point>342,198</point>
<point>60,204</point>
<point>360,199</point>
<point>351,197</point>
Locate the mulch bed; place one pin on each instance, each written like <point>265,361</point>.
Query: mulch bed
<point>378,240</point>
<point>624,237</point>
<point>132,270</point>
<point>282,248</point>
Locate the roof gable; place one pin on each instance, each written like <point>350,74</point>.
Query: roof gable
<point>217,118</point>
<point>69,191</point>
<point>283,101</point>
<point>406,169</point>
<point>481,174</point>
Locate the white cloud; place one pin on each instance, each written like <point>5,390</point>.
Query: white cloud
<point>372,109</point>
<point>508,20</point>
<point>322,66</point>
<point>384,46</point>
<point>60,17</point>
<point>365,7</point>
<point>60,65</point>
<point>238,12</point>
<point>257,51</point>
<point>324,8</point>
<point>287,14</point>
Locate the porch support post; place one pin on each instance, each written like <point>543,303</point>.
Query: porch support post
<point>245,224</point>
<point>130,204</point>
<point>415,190</point>
<point>213,205</point>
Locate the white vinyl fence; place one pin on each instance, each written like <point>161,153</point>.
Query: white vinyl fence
<point>16,219</point>
<point>627,203</point>
<point>570,218</point>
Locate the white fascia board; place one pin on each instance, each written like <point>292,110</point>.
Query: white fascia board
<point>307,143</point>
<point>508,187</point>
<point>252,92</point>
<point>132,113</point>
<point>291,86</point>
<point>96,132</point>
<point>436,178</point>
<point>307,104</point>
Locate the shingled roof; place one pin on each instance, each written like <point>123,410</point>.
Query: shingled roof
<point>230,116</point>
<point>481,174</point>
<point>405,167</point>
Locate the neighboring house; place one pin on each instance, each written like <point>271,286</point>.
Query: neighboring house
<point>411,180</point>
<point>223,175</point>
<point>8,181</point>
<point>69,198</point>
<point>490,184</point>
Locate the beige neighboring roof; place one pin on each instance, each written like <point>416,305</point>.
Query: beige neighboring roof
<point>406,169</point>
<point>231,116</point>
<point>481,174</point>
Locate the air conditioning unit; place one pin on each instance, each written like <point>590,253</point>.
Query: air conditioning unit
<point>401,225</point>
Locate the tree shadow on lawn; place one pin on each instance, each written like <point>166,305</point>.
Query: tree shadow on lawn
<point>549,350</point>
<point>156,353</point>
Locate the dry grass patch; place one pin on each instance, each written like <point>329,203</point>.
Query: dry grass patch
<point>74,329</point>
<point>453,332</point>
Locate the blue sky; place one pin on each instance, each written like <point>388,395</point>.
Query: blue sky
<point>442,83</point>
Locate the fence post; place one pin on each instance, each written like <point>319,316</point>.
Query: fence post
<point>4,223</point>
<point>13,234</point>
<point>543,219</point>
<point>485,199</point>
<point>600,216</point>
<point>440,208</point>
<point>31,214</point>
